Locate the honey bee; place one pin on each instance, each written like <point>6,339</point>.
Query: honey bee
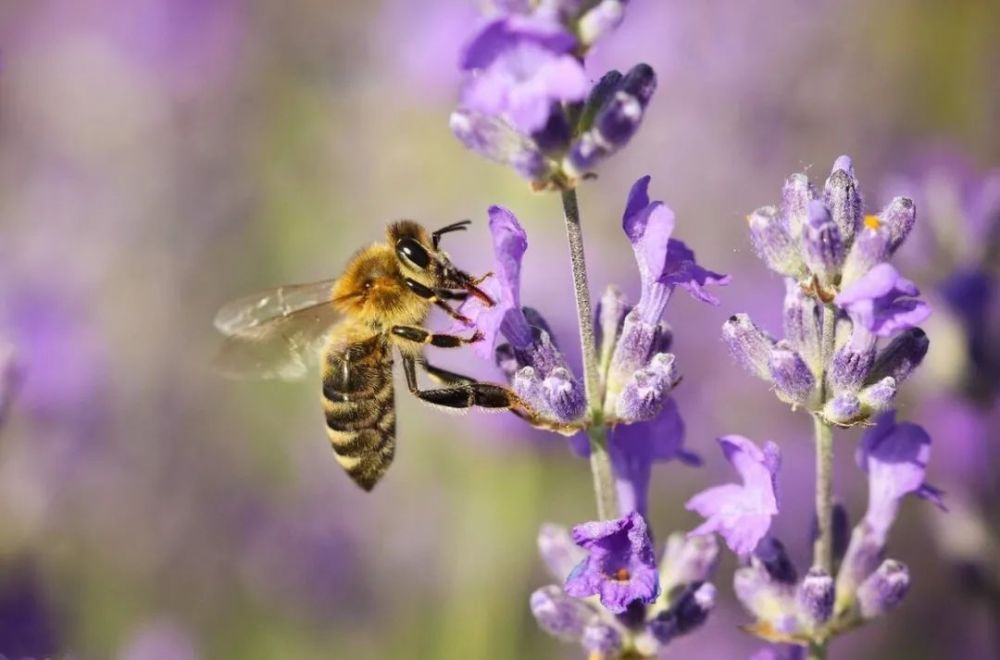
<point>381,301</point>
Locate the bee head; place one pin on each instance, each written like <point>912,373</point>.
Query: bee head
<point>419,256</point>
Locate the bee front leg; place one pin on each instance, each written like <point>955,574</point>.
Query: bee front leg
<point>422,336</point>
<point>438,297</point>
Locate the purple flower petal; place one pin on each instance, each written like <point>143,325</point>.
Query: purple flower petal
<point>522,66</point>
<point>664,263</point>
<point>620,567</point>
<point>635,447</point>
<point>509,245</point>
<point>741,513</point>
<point>895,457</point>
<point>883,302</point>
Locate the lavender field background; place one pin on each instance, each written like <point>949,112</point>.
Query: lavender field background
<point>159,157</point>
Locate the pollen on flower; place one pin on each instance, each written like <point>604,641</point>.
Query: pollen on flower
<point>872,221</point>
<point>621,575</point>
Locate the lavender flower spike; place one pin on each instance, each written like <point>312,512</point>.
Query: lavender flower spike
<point>664,264</point>
<point>895,458</point>
<point>522,66</point>
<point>883,302</point>
<point>741,513</point>
<point>620,567</point>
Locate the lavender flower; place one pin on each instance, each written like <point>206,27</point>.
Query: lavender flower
<point>527,101</point>
<point>895,457</point>
<point>523,66</point>
<point>620,567</point>
<point>883,302</point>
<point>664,264</point>
<point>635,447</point>
<point>532,360</point>
<point>646,612</point>
<point>741,513</point>
<point>834,261</point>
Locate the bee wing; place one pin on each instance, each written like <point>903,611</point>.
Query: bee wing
<point>248,312</point>
<point>276,334</point>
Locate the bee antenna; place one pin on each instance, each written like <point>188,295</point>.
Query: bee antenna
<point>455,226</point>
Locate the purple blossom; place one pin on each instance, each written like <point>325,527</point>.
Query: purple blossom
<point>532,360</point>
<point>664,263</point>
<point>635,447</point>
<point>620,567</point>
<point>522,66</point>
<point>895,457</point>
<point>509,245</point>
<point>883,302</point>
<point>741,513</point>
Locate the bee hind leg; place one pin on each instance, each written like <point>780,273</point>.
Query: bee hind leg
<point>466,392</point>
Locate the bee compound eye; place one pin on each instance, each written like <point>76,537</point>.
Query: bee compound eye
<point>413,252</point>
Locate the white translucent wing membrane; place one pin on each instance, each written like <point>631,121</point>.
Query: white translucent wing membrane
<point>276,333</point>
<point>252,310</point>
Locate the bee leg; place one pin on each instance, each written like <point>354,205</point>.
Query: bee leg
<point>436,297</point>
<point>449,294</point>
<point>422,336</point>
<point>468,393</point>
<point>444,376</point>
<point>465,395</point>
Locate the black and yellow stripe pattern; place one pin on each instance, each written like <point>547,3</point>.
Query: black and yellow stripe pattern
<point>358,401</point>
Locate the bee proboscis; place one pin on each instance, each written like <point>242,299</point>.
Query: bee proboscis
<point>379,302</point>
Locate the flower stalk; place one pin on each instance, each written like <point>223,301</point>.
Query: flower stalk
<point>600,460</point>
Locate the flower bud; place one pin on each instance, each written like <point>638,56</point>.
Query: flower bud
<point>815,597</point>
<point>494,138</point>
<point>560,615</point>
<point>773,557</point>
<point>898,217</point>
<point>598,98</point>
<point>793,381</point>
<point>823,247</point>
<point>689,611</point>
<point>884,589</point>
<point>774,245</point>
<point>601,639</point>
<point>750,345</point>
<point>901,356</point>
<point>850,367</point>
<point>870,248</point>
<point>584,154</point>
<point>640,82</point>
<point>795,197</point>
<point>687,559</point>
<point>555,136</point>
<point>879,396</point>
<point>844,409</point>
<point>560,554</point>
<point>843,199</point>
<point>610,314</point>
<point>803,324</point>
<point>643,396</point>
<point>564,395</point>
<point>618,120</point>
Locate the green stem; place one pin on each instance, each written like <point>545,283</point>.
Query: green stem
<point>817,652</point>
<point>823,433</point>
<point>600,461</point>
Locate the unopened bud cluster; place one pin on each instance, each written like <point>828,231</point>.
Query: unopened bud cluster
<point>842,295</point>
<point>818,606</point>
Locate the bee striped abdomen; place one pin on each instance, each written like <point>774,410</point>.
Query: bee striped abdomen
<point>359,407</point>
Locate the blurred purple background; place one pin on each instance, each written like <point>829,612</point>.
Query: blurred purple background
<point>158,157</point>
